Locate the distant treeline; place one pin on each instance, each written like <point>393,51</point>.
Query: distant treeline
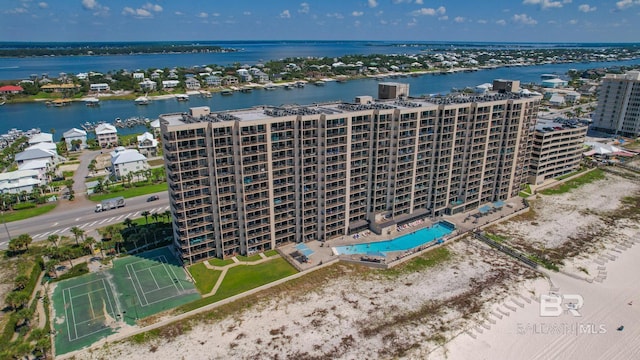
<point>70,49</point>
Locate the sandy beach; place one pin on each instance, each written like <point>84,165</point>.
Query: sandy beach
<point>478,304</point>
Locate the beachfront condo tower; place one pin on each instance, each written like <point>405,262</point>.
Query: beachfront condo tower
<point>250,180</point>
<point>618,110</point>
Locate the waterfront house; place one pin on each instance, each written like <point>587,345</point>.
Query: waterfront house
<point>213,80</point>
<point>147,144</point>
<point>229,80</point>
<point>41,138</point>
<point>138,75</point>
<point>11,89</point>
<point>147,85</point>
<point>244,75</point>
<point>155,125</point>
<point>75,136</point>
<point>82,76</point>
<point>192,83</point>
<point>60,88</point>
<point>106,135</point>
<point>42,166</point>
<point>15,182</point>
<point>127,161</point>
<point>554,83</point>
<point>557,100</point>
<point>100,87</point>
<point>155,75</point>
<point>170,84</point>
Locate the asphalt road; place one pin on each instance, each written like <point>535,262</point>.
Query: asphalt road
<point>83,216</point>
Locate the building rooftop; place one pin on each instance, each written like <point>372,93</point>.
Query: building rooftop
<point>559,124</point>
<point>330,108</point>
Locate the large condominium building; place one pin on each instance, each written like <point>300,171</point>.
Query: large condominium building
<point>618,109</point>
<point>250,180</point>
<point>557,149</point>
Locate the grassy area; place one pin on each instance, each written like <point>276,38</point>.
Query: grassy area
<point>156,162</point>
<point>497,238</point>
<point>131,192</point>
<point>220,262</point>
<point>582,169</point>
<point>587,178</point>
<point>270,253</point>
<point>205,278</point>
<point>255,257</point>
<point>428,260</point>
<point>240,279</point>
<point>10,216</point>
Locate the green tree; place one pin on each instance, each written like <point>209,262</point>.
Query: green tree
<point>77,233</point>
<point>17,299</point>
<point>53,239</point>
<point>25,240</point>
<point>21,281</point>
<point>127,222</point>
<point>146,214</point>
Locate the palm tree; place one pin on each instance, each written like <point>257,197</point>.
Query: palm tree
<point>146,214</point>
<point>25,240</point>
<point>127,222</point>
<point>118,239</point>
<point>167,214</point>
<point>155,217</point>
<point>77,233</point>
<point>21,281</point>
<point>88,243</point>
<point>53,239</point>
<point>51,267</point>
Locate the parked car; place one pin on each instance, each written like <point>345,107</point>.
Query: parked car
<point>153,198</point>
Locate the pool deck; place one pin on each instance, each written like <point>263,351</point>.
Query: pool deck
<point>464,222</point>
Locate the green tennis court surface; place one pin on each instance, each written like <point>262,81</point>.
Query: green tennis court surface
<point>93,306</point>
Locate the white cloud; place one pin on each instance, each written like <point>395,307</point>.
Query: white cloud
<point>138,13</point>
<point>94,5</point>
<point>545,4</point>
<point>623,4</point>
<point>18,10</point>
<point>413,22</point>
<point>429,11</point>
<point>246,13</point>
<point>336,15</point>
<point>357,13</point>
<point>523,19</point>
<point>586,8</point>
<point>443,18</point>
<point>304,8</point>
<point>203,15</point>
<point>356,23</point>
<point>215,14</point>
<point>501,22</point>
<point>573,22</point>
<point>482,21</point>
<point>372,3</point>
<point>285,14</point>
<point>458,19</point>
<point>152,7</point>
<point>43,5</point>
<point>419,2</point>
<point>179,13</point>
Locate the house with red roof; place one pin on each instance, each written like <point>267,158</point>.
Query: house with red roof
<point>11,89</point>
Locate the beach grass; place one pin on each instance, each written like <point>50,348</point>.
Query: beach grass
<point>586,178</point>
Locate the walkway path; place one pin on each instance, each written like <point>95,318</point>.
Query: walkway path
<point>236,262</point>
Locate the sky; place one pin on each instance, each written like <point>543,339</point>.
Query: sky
<point>385,20</point>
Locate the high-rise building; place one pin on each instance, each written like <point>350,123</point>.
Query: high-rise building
<point>557,149</point>
<point>618,110</point>
<point>251,180</point>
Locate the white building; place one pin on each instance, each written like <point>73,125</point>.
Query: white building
<point>192,84</point>
<point>148,85</point>
<point>170,84</point>
<point>99,87</point>
<point>15,182</point>
<point>36,154</point>
<point>618,110</point>
<point>106,135</point>
<point>75,135</point>
<point>554,83</point>
<point>42,166</point>
<point>41,138</point>
<point>147,144</point>
<point>127,161</point>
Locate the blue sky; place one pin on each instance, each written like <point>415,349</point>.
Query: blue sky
<point>396,20</point>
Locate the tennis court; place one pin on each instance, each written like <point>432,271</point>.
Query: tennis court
<point>93,306</point>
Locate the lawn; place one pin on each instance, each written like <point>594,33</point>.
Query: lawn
<point>240,279</point>
<point>205,278</point>
<point>270,253</point>
<point>220,262</point>
<point>132,192</point>
<point>255,257</point>
<point>27,213</point>
<point>587,178</point>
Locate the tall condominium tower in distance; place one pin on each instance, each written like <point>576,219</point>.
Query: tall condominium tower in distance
<point>250,180</point>
<point>618,109</point>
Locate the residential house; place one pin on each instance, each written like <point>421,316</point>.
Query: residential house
<point>60,87</point>
<point>147,144</point>
<point>11,89</point>
<point>127,161</point>
<point>554,83</point>
<point>36,154</point>
<point>82,76</point>
<point>138,75</point>
<point>244,75</point>
<point>43,166</point>
<point>155,125</point>
<point>572,97</point>
<point>15,182</point>
<point>556,100</point>
<point>41,138</point>
<point>259,75</point>
<point>213,80</point>
<point>75,135</point>
<point>99,87</point>
<point>229,80</point>
<point>155,75</point>
<point>106,135</point>
<point>170,84</point>
<point>148,85</point>
<point>192,84</point>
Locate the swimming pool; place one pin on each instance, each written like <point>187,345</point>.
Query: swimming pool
<point>402,243</point>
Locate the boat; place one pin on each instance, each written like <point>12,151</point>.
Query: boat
<point>288,87</point>
<point>205,93</point>
<point>269,87</point>
<point>92,101</point>
<point>299,84</point>
<point>58,102</point>
<point>142,100</point>
<point>182,97</point>
<point>319,83</point>
<point>246,89</point>
<point>226,92</point>
<point>2,103</point>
